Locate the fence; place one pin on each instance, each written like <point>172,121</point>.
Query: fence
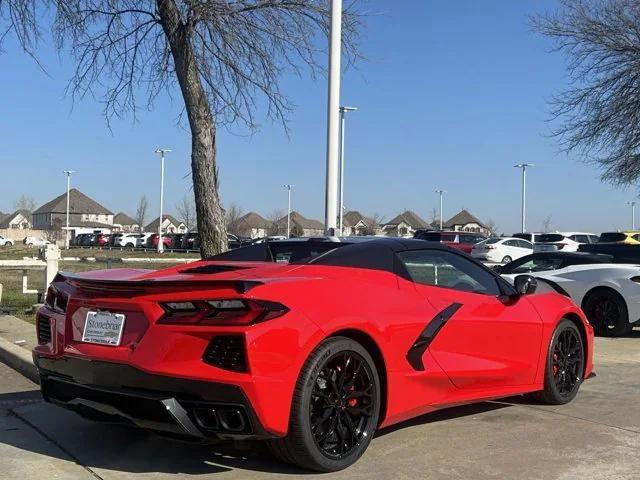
<point>48,261</point>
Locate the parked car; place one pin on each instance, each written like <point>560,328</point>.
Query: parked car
<point>501,250</point>
<point>35,241</point>
<point>235,241</point>
<point>190,241</point>
<point>143,239</point>
<point>608,293</point>
<point>153,240</point>
<point>101,240</point>
<point>631,238</point>
<point>89,239</point>
<point>128,240</point>
<point>78,239</point>
<point>5,242</point>
<point>176,240</point>
<point>205,352</point>
<point>565,241</point>
<point>460,240</point>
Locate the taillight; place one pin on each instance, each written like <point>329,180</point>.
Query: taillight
<point>561,245</point>
<point>635,279</point>
<point>222,312</point>
<point>56,300</point>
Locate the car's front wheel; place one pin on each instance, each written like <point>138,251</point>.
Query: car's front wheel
<point>506,259</point>
<point>335,408</point>
<point>564,365</point>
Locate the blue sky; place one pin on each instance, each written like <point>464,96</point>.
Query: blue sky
<point>451,96</point>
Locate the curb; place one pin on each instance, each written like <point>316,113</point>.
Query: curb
<point>19,359</point>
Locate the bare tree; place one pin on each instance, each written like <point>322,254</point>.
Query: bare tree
<point>226,57</point>
<point>600,111</point>
<point>141,212</point>
<point>373,224</point>
<point>25,203</point>
<point>433,216</point>
<point>546,224</point>
<point>232,214</point>
<point>491,226</point>
<point>186,209</point>
<point>275,227</point>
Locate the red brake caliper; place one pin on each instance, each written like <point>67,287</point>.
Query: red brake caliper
<point>352,401</point>
<point>555,364</point>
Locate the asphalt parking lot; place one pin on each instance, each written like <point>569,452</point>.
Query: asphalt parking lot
<point>595,437</point>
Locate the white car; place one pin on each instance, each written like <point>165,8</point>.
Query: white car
<point>501,250</point>
<point>141,241</point>
<point>35,241</point>
<point>5,242</point>
<point>565,241</point>
<point>609,293</point>
<point>126,240</point>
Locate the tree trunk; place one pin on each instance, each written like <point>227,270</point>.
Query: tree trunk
<point>210,218</point>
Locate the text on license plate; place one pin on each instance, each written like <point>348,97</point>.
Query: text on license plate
<point>104,328</point>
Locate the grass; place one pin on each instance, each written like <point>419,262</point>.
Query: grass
<point>11,281</point>
<point>19,251</point>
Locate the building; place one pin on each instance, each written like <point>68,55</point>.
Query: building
<point>300,226</point>
<point>18,220</point>
<point>251,225</point>
<point>354,223</point>
<point>124,223</point>
<point>85,214</point>
<point>169,225</point>
<point>405,225</point>
<point>464,221</point>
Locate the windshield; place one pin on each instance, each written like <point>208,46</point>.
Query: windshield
<point>613,237</point>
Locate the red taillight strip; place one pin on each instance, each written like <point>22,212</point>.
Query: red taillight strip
<point>201,312</point>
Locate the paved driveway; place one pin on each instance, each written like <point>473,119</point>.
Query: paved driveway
<point>595,437</point>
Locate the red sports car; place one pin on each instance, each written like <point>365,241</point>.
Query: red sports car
<point>312,355</point>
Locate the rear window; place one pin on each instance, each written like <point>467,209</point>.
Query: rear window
<point>492,241</point>
<point>429,236</point>
<point>524,236</point>
<point>550,238</point>
<point>613,237</point>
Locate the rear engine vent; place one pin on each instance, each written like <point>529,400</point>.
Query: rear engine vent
<point>56,300</point>
<point>227,352</point>
<point>44,330</point>
<point>211,269</point>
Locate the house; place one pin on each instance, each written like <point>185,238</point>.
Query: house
<point>354,223</point>
<point>464,221</point>
<point>300,226</point>
<point>169,225</point>
<point>251,225</point>
<point>19,220</point>
<point>405,225</point>
<point>85,214</point>
<point>124,223</point>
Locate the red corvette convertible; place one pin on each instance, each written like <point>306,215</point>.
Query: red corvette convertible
<point>312,355</point>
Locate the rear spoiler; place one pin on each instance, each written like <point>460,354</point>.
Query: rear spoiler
<point>135,285</point>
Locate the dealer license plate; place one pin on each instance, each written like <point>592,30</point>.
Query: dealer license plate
<point>104,328</point>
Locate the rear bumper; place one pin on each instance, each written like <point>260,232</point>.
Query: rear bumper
<point>175,406</point>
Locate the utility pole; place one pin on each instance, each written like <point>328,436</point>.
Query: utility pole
<point>633,214</point>
<point>343,123</point>
<point>524,167</point>
<point>162,152</point>
<point>66,236</point>
<point>441,193</point>
<point>333,126</point>
<point>288,186</point>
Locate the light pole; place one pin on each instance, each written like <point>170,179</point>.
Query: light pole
<point>288,186</point>
<point>524,167</point>
<point>333,126</point>
<point>66,236</point>
<point>343,115</point>
<point>162,152</point>
<point>633,214</point>
<point>441,193</point>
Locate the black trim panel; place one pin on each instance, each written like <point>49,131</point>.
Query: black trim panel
<point>414,355</point>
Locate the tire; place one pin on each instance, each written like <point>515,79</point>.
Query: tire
<point>607,312</point>
<point>506,259</point>
<point>564,365</point>
<point>129,245</point>
<point>329,368</point>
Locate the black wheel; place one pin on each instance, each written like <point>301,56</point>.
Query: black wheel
<point>564,365</point>
<point>506,259</point>
<point>335,408</point>
<point>607,312</point>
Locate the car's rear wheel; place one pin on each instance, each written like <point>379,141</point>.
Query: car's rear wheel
<point>506,259</point>
<point>607,312</point>
<point>564,365</point>
<point>335,408</point>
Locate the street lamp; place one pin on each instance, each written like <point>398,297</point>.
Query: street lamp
<point>333,126</point>
<point>288,186</point>
<point>161,152</point>
<point>524,167</point>
<point>441,193</point>
<point>633,214</point>
<point>343,115</point>
<point>66,236</point>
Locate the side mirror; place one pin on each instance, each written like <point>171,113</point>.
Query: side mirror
<point>525,284</point>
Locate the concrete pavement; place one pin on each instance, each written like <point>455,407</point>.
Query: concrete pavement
<point>596,437</point>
